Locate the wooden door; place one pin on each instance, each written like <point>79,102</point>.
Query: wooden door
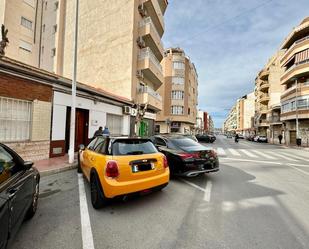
<point>293,137</point>
<point>81,127</point>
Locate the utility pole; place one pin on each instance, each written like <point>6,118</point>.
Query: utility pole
<point>72,126</point>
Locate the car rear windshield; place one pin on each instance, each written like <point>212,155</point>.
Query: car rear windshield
<point>133,147</point>
<point>184,142</point>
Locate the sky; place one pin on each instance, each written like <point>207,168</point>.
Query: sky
<point>229,41</point>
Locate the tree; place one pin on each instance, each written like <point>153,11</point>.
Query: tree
<point>4,41</point>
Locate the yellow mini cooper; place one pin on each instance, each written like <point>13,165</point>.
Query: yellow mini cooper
<point>119,166</point>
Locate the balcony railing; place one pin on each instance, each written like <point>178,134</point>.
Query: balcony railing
<point>147,20</point>
<point>297,42</point>
<point>296,64</point>
<point>146,53</point>
<point>150,91</point>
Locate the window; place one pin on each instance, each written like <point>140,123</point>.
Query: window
<point>293,106</point>
<point>178,80</point>
<point>178,65</point>
<point>177,94</point>
<point>56,5</point>
<point>133,147</point>
<point>43,28</point>
<point>302,103</point>
<point>55,28</point>
<point>6,165</point>
<point>189,111</point>
<point>114,124</point>
<point>25,46</point>
<point>15,119</point>
<point>53,52</point>
<point>26,23</point>
<point>177,110</point>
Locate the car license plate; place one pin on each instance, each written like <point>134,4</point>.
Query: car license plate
<point>142,167</point>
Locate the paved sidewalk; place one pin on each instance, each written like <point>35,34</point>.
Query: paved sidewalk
<point>55,165</point>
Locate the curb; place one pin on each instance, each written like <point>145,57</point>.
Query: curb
<point>64,168</point>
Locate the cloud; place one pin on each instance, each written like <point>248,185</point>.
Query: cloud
<point>229,41</point>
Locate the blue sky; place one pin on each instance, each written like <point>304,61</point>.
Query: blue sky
<point>229,41</point>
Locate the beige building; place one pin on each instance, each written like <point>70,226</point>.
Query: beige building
<point>179,91</point>
<point>36,32</point>
<point>295,80</point>
<point>245,108</point>
<point>267,103</point>
<point>230,123</point>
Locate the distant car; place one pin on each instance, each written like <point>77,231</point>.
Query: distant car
<point>228,135</point>
<point>250,137</point>
<point>19,192</point>
<point>241,136</point>
<point>260,139</point>
<point>205,138</point>
<point>185,156</point>
<point>121,166</point>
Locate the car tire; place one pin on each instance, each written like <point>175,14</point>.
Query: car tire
<point>34,203</point>
<point>98,199</point>
<point>79,169</point>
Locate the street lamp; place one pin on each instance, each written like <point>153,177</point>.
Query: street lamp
<point>72,125</point>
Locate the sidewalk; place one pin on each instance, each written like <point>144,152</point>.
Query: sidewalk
<point>55,165</point>
<point>293,147</point>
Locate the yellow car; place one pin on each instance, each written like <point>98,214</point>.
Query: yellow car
<point>118,166</point>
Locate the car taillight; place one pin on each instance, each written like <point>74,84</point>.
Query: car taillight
<point>165,164</point>
<point>112,169</point>
<point>185,156</point>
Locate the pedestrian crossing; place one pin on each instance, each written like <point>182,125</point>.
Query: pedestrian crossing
<point>278,155</point>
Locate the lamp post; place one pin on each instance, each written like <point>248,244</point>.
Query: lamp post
<point>72,125</point>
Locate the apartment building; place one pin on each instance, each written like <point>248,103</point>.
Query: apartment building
<point>179,92</point>
<point>36,32</point>
<point>267,104</point>
<point>24,29</point>
<point>230,123</point>
<point>248,114</point>
<point>119,49</point>
<point>204,123</point>
<point>295,80</point>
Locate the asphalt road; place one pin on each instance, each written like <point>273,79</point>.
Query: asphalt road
<point>259,199</point>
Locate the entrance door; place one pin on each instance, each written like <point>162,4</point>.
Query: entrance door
<point>81,128</point>
<point>293,137</point>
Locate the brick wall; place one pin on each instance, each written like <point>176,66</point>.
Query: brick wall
<point>13,87</point>
<point>31,151</point>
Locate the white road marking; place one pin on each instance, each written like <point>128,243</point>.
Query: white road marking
<point>248,153</point>
<point>221,152</point>
<point>263,154</point>
<point>234,152</point>
<point>207,190</point>
<point>268,162</point>
<point>87,237</point>
<point>294,156</point>
<point>282,156</point>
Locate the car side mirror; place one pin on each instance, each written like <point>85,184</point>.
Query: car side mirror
<point>82,147</point>
<point>28,164</point>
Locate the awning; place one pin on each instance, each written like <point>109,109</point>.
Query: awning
<point>302,56</point>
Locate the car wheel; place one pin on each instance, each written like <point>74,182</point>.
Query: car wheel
<point>34,204</point>
<point>98,199</point>
<point>79,169</point>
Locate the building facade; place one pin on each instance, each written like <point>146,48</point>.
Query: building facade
<point>230,123</point>
<point>268,89</point>
<point>295,80</point>
<point>179,92</point>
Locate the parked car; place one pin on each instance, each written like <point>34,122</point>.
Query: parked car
<point>260,139</point>
<point>228,135</point>
<point>120,166</point>
<point>241,136</point>
<point>19,192</point>
<point>205,138</point>
<point>250,137</point>
<point>186,157</point>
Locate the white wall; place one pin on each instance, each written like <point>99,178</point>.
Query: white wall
<point>97,114</point>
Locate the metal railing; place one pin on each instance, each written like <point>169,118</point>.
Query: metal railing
<point>146,53</point>
<point>150,91</point>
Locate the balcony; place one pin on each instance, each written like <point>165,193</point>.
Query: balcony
<point>147,95</point>
<point>152,39</point>
<point>263,123</point>
<point>264,98</point>
<point>163,5</point>
<point>297,46</point>
<point>264,74</point>
<point>264,86</point>
<point>297,70</point>
<point>151,67</point>
<point>152,8</point>
<point>263,110</point>
<point>274,120</point>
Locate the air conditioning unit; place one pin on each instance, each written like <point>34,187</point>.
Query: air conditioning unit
<point>139,74</point>
<point>140,42</point>
<point>127,109</point>
<point>142,10</point>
